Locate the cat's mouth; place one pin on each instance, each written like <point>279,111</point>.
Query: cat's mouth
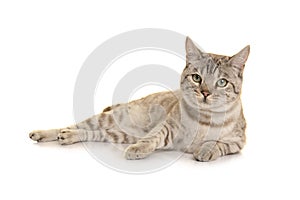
<point>205,103</point>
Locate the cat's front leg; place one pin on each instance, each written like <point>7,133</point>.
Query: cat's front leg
<point>161,138</point>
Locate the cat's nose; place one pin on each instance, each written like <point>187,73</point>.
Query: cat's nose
<point>205,93</point>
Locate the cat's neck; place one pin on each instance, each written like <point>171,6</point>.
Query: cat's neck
<point>226,110</point>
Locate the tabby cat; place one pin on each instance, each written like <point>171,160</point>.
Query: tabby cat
<point>204,117</point>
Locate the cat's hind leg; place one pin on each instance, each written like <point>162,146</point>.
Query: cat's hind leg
<point>70,136</point>
<point>53,134</point>
<point>47,135</point>
<point>44,135</point>
<point>63,136</point>
<point>56,134</point>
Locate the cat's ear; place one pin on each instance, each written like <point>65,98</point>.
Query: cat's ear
<point>192,51</point>
<point>239,59</point>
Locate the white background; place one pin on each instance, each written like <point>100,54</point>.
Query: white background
<point>42,48</point>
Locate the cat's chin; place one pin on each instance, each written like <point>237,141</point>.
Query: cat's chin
<point>206,105</point>
<point>209,105</point>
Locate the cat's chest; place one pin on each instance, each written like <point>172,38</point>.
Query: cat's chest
<point>195,132</point>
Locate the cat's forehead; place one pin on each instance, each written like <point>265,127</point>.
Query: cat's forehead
<point>219,59</point>
<point>213,59</point>
<point>210,64</point>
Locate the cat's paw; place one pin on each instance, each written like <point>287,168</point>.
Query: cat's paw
<point>209,151</point>
<point>35,136</point>
<point>68,136</point>
<point>136,151</point>
<point>43,135</point>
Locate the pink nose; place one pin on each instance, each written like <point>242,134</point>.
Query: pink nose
<point>205,93</point>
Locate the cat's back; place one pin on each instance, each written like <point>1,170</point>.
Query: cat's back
<point>165,100</point>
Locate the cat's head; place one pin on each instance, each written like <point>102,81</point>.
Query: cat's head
<point>210,80</point>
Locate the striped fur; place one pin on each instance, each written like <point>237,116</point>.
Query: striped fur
<point>201,117</point>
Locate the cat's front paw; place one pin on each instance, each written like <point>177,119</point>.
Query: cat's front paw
<point>68,136</point>
<point>136,151</point>
<point>208,151</point>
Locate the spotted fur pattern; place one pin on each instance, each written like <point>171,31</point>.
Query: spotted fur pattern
<point>201,118</point>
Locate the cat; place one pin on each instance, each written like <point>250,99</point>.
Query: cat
<point>204,117</point>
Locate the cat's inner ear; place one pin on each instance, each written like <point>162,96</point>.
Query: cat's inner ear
<point>239,59</point>
<point>192,51</point>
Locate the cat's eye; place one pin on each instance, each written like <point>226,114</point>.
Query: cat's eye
<point>196,78</point>
<point>222,82</point>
